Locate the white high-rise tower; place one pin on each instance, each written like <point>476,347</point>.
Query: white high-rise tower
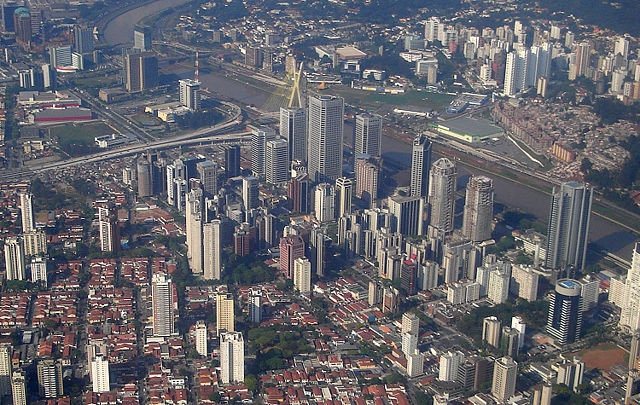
<point>231,357</point>
<point>326,122</point>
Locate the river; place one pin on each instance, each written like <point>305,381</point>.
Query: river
<point>604,233</point>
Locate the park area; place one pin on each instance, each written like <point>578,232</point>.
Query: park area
<point>603,356</point>
<point>78,138</point>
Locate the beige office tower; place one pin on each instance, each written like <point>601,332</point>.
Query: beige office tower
<point>162,304</point>
<point>368,135</point>
<point>478,209</point>
<point>302,274</point>
<point>344,194</point>
<point>225,315</point>
<point>491,331</point>
<point>442,194</point>
<point>326,122</point>
<point>505,372</point>
<point>193,224</point>
<point>35,243</point>
<point>18,388</point>
<point>5,369</point>
<point>212,250</point>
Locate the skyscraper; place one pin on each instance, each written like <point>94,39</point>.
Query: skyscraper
<point>22,26</point>
<point>142,39</point>
<point>145,181</point>
<point>442,194</point>
<point>302,274</point>
<point>225,313</point>
<point>478,209</point>
<point>100,374</point>
<point>344,194</point>
<point>190,94</point>
<point>109,232</point>
<point>420,166</point>
<point>35,243</point>
<point>201,338</point>
<point>259,139</point>
<point>193,225</point>
<point>208,175</point>
<point>491,330</point>
<point>50,378</point>
<point>367,178</point>
<point>318,250</point>
<point>630,314</point>
<point>410,323</point>
<point>162,305</point>
<point>39,270</point>
<point>250,193</point>
<point>212,243</point>
<point>326,121</point>
<point>231,357</point>
<point>14,258</point>
<point>368,135</point>
<point>83,39</point>
<point>141,71</point>
<point>564,320</point>
<point>26,212</point>
<point>255,305</point>
<point>569,219</point>
<point>325,202</point>
<point>407,214</point>
<point>5,369</point>
<point>277,162</point>
<point>291,248</point>
<point>293,128</point>
<point>232,161</point>
<point>505,372</point>
<point>18,388</point>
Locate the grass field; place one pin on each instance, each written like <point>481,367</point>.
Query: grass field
<point>603,356</point>
<point>97,81</point>
<point>371,99</point>
<point>81,134</point>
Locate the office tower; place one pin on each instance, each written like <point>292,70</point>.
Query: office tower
<point>344,194</point>
<point>325,202</point>
<point>109,232</point>
<point>250,193</point>
<point>415,364</point>
<point>542,394</point>
<point>420,166</point>
<point>22,25</point>
<point>299,193</point>
<point>375,293</point>
<point>505,371</point>
<point>491,331</point>
<point>50,378</point>
<point>478,209</point>
<point>193,225</point>
<point>145,181</point>
<point>571,373</point>
<point>291,248</point>
<point>100,373</point>
<point>142,71</point>
<point>253,57</point>
<point>509,342</point>
<point>564,320</point>
<point>277,162</point>
<point>449,364</point>
<point>255,305</point>
<point>142,39</point>
<point>442,194</point>
<point>162,305</point>
<point>48,76</point>
<point>190,94</point>
<point>26,212</point>
<point>77,61</point>
<point>524,282</point>
<point>225,313</point>
<point>409,277</point>
<point>407,214</point>
<point>367,170</point>
<point>518,324</point>
<point>201,338</point>
<point>14,258</point>
<point>319,247</point>
<point>39,270</point>
<point>622,47</point>
<point>8,10</point>
<point>232,161</point>
<point>18,388</point>
<point>410,323</point>
<point>325,138</point>
<point>212,245</point>
<point>583,56</point>
<point>293,128</point>
<point>259,139</point>
<point>208,175</point>
<point>231,357</point>
<point>60,56</point>
<point>569,219</point>
<point>498,290</point>
<point>302,274</point>
<point>368,135</point>
<point>409,343</point>
<point>83,39</point>
<point>181,188</point>
<point>5,369</point>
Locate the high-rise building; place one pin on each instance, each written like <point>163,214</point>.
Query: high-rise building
<point>293,128</point>
<point>518,324</point>
<point>145,181</point>
<point>569,219</point>
<point>542,394</point>
<point>302,274</point>
<point>449,364</point>
<point>250,193</point>
<point>291,248</point>
<point>564,320</point>
<point>109,230</point>
<point>255,305</point>
<point>193,230</point>
<point>498,289</point>
<point>505,372</point>
<point>208,175</point>
<point>415,364</point>
<point>410,323</point>
<point>367,170</point>
<point>319,246</point>
<point>491,331</point>
<point>50,378</point>
<point>22,25</point>
<point>325,200</point>
<point>8,10</point>
<point>232,161</point>
<point>407,214</point>
<point>83,39</point>
<point>212,243</point>
<point>420,166</point>
<point>571,373</point>
<point>26,212</point>
<point>201,338</point>
<point>478,209</point>
<point>18,388</point>
<point>231,357</point>
<point>259,139</point>
<point>142,39</point>
<point>100,373</point>
<point>5,369</point>
<point>225,313</point>
<point>190,94</point>
<point>277,162</point>
<point>48,76</point>
<point>142,71</point>
<point>35,243</point>
<point>442,194</point>
<point>524,282</point>
<point>409,343</point>
<point>583,58</point>
<point>368,135</point>
<point>299,193</point>
<point>254,56</point>
<point>509,342</point>
<point>162,305</point>
<point>39,270</point>
<point>630,314</point>
<point>344,194</point>
<point>14,258</point>
<point>326,122</point>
